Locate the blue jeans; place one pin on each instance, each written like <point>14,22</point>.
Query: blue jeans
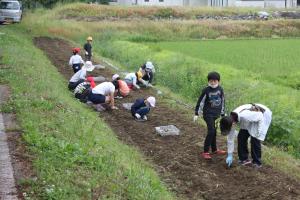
<point>142,111</point>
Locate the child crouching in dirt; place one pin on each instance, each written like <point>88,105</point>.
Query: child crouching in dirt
<point>211,104</point>
<point>123,90</point>
<point>133,80</point>
<point>148,70</point>
<point>80,76</point>
<point>142,107</point>
<point>104,94</point>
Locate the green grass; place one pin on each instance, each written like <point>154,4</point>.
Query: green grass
<point>75,153</point>
<point>275,60</point>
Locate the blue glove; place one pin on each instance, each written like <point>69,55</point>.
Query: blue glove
<point>229,159</point>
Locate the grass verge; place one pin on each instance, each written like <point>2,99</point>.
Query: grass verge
<point>76,155</point>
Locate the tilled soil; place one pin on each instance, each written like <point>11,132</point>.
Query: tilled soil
<point>177,158</point>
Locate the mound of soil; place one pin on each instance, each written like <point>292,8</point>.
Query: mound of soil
<point>177,158</point>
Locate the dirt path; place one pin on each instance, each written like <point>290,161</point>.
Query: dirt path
<point>177,159</point>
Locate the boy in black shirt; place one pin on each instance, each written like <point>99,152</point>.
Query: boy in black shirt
<point>88,49</point>
<point>211,104</point>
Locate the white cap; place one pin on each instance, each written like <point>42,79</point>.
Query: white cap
<point>149,66</point>
<point>151,101</point>
<point>88,65</point>
<point>115,76</point>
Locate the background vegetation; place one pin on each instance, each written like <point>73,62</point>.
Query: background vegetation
<point>275,60</point>
<point>32,4</point>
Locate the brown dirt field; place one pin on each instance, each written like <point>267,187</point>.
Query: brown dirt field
<point>177,159</point>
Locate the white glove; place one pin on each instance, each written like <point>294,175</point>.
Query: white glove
<point>195,118</point>
<point>114,108</point>
<point>149,85</point>
<point>138,116</point>
<point>86,53</point>
<point>145,117</point>
<point>145,83</point>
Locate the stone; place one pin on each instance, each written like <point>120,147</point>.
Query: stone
<point>99,66</point>
<point>167,130</point>
<point>127,106</point>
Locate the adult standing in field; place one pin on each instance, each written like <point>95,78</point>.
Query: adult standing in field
<point>80,76</point>
<point>104,93</point>
<point>254,120</point>
<point>211,104</point>
<point>76,60</point>
<point>88,49</point>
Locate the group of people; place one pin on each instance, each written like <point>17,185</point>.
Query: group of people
<point>253,119</point>
<point>85,88</point>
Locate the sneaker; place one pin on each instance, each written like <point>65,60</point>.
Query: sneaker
<point>245,162</point>
<point>139,119</point>
<point>137,116</point>
<point>145,118</point>
<point>257,166</point>
<point>118,97</point>
<point>206,155</point>
<point>219,152</point>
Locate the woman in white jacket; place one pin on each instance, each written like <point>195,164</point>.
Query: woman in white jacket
<point>254,120</point>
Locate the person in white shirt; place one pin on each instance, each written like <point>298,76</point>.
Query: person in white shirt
<point>133,79</point>
<point>254,121</point>
<point>104,93</point>
<point>76,60</point>
<point>80,76</point>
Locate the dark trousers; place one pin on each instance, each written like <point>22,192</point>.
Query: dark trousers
<point>96,98</point>
<point>142,111</point>
<point>88,57</point>
<point>148,77</point>
<point>243,147</point>
<point>210,140</point>
<point>73,85</point>
<point>76,67</point>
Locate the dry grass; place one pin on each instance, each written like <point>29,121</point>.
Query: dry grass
<point>102,11</point>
